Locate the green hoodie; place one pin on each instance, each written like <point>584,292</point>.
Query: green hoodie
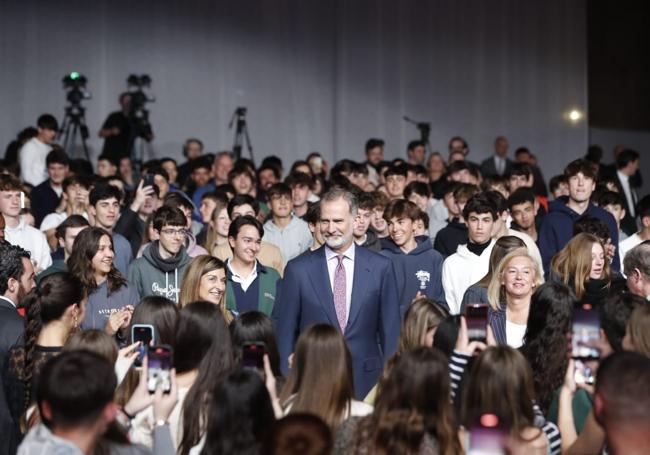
<point>153,275</point>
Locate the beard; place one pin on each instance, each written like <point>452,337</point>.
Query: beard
<point>335,242</point>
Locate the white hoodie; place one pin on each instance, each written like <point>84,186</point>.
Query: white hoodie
<point>461,270</point>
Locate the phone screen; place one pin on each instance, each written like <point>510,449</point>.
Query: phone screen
<point>253,355</point>
<point>148,180</point>
<point>144,333</point>
<point>583,374</point>
<point>476,316</point>
<point>487,438</point>
<point>159,366</point>
<point>586,328</point>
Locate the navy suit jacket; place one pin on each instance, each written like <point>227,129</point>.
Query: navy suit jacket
<point>304,297</point>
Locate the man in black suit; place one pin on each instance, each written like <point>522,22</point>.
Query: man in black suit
<point>627,167</point>
<point>16,280</point>
<point>499,163</point>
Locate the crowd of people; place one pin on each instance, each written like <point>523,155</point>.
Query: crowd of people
<point>321,309</point>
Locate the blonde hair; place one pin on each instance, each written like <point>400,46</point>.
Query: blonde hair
<point>211,236</point>
<point>496,291</point>
<point>198,267</point>
<point>638,330</point>
<point>422,316</point>
<point>573,262</point>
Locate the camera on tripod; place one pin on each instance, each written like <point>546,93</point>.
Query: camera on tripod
<point>75,85</point>
<point>138,114</point>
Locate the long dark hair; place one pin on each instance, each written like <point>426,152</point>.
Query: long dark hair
<point>319,349</point>
<point>500,383</point>
<point>45,303</point>
<point>162,314</point>
<point>202,342</point>
<point>240,415</point>
<point>255,326</point>
<point>414,401</point>
<point>80,262</point>
<point>549,320</point>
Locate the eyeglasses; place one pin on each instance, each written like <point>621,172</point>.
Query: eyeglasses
<point>172,232</point>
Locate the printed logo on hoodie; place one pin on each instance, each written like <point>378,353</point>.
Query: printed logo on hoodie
<point>423,277</point>
<point>170,291</point>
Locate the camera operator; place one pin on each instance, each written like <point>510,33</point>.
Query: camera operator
<point>116,130</point>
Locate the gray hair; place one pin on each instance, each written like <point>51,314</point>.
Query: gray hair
<point>638,258</point>
<point>335,193</point>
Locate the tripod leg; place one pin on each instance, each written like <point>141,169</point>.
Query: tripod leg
<point>248,142</point>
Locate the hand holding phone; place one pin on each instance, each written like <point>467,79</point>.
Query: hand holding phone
<point>253,355</point>
<point>585,330</point>
<point>476,315</point>
<point>144,333</point>
<point>160,360</point>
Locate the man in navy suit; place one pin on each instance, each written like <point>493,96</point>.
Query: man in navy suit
<point>347,286</point>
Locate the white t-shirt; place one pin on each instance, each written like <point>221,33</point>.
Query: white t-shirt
<point>32,161</point>
<point>515,334</point>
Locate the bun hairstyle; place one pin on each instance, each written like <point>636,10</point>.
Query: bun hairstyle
<point>46,303</point>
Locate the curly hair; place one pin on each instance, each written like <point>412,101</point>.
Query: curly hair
<point>11,264</point>
<point>85,247</point>
<point>549,320</point>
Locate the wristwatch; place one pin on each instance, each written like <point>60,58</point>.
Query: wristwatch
<point>161,423</point>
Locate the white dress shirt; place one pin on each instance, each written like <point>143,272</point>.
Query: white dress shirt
<point>8,300</point>
<point>244,282</point>
<point>32,161</point>
<point>348,263</point>
<point>32,240</point>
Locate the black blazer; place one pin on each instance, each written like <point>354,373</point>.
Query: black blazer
<point>11,331</point>
<point>628,223</point>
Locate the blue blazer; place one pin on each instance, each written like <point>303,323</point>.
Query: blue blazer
<point>304,297</point>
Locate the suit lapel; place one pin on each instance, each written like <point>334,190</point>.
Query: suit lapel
<point>362,277</point>
<point>320,280</point>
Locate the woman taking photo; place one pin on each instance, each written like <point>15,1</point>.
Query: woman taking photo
<point>419,327</point>
<point>110,298</point>
<point>205,279</point>
<point>549,320</point>
<point>501,384</point>
<point>412,414</point>
<point>322,348</point>
<point>509,294</point>
<point>582,265</point>
<point>477,293</point>
<point>202,358</point>
<point>54,311</point>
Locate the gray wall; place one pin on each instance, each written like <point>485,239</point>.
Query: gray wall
<point>315,75</point>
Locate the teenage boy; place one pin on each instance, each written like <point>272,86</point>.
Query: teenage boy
<point>269,254</point>
<point>177,200</point>
<point>521,176</point>
<point>131,223</point>
<point>363,236</point>
<point>74,201</point>
<point>613,202</point>
<point>17,231</point>
<point>418,267</point>
<point>377,221</point>
<point>455,233</point>
<point>66,232</point>
<point>161,268</point>
<point>285,230</point>
<point>559,186</point>
<point>34,153</point>
<point>300,184</point>
<point>523,208</point>
<point>500,228</point>
<point>395,178</point>
<point>74,394</point>
<point>312,219</point>
<point>471,261</point>
<point>557,227</point>
<point>45,196</point>
<point>107,166</point>
<point>104,209</point>
<point>250,285</point>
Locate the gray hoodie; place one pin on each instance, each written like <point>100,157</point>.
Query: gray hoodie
<point>41,441</point>
<point>153,275</point>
